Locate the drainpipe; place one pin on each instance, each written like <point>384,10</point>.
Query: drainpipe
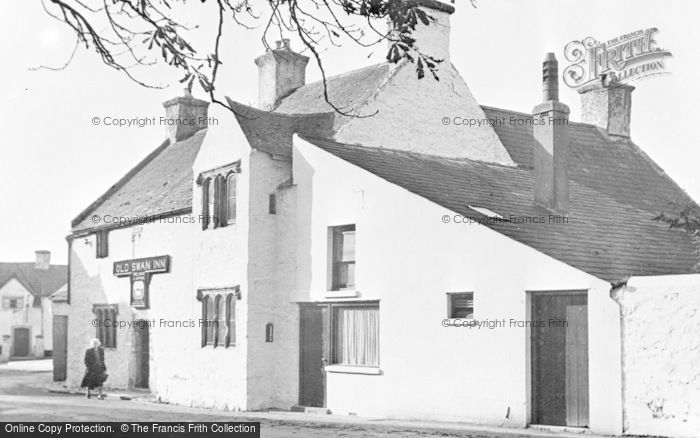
<point>617,294</point>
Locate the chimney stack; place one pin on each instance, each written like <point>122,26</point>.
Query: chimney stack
<point>551,142</point>
<point>184,115</point>
<point>607,104</point>
<point>42,260</point>
<point>280,72</point>
<point>434,39</point>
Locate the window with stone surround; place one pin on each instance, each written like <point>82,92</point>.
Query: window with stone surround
<point>219,196</point>
<point>219,316</point>
<point>106,324</point>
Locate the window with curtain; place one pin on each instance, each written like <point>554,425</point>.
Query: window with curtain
<point>231,198</point>
<point>356,336</point>
<point>343,253</point>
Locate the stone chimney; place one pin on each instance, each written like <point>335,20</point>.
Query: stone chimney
<point>184,115</point>
<point>42,260</point>
<point>608,105</point>
<point>434,39</point>
<point>280,71</point>
<point>551,142</point>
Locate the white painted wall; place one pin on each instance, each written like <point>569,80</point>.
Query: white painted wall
<point>408,259</point>
<point>28,316</point>
<point>407,114</point>
<point>171,297</point>
<point>661,355</point>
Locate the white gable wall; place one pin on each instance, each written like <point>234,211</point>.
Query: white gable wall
<point>407,113</point>
<point>408,259</point>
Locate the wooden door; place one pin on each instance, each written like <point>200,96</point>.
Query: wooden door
<point>141,354</point>
<point>559,348</point>
<point>20,347</point>
<point>313,342</point>
<point>60,347</point>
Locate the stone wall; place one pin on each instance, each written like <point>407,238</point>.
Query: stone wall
<point>661,346</point>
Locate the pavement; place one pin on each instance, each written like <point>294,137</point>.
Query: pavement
<point>24,396</point>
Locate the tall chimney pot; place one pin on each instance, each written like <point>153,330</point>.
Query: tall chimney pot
<point>551,142</point>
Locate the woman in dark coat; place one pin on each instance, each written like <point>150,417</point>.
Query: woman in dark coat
<point>95,373</point>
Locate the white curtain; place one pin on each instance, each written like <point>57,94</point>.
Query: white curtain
<point>357,336</point>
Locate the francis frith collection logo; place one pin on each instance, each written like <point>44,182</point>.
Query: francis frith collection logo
<point>623,59</point>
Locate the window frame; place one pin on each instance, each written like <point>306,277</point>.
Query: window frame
<point>106,335</point>
<point>451,305</point>
<point>219,324</point>
<point>216,195</point>
<point>331,336</point>
<point>336,257</point>
<point>205,203</point>
<point>230,195</point>
<point>102,244</point>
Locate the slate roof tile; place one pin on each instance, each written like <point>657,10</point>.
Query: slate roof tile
<point>602,237</point>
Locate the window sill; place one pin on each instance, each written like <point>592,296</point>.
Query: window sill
<point>353,369</point>
<point>343,293</point>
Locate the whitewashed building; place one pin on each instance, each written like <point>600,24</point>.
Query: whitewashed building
<point>395,265</point>
<point>26,326</point>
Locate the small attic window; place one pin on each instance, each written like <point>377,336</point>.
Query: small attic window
<point>486,212</point>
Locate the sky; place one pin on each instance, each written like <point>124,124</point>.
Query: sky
<point>54,162</point>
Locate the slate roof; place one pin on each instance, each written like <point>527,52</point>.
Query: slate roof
<point>272,132</point>
<point>160,184</point>
<point>603,237</point>
<point>36,281</point>
<point>349,92</point>
<point>615,167</point>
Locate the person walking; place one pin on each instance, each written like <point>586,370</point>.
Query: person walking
<point>95,373</point>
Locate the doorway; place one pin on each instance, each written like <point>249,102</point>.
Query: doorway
<point>559,359</point>
<point>60,347</point>
<point>141,354</point>
<point>313,344</point>
<point>20,341</point>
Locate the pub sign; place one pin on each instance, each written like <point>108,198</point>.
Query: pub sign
<point>140,271</point>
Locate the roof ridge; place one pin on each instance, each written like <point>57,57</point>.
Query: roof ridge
<point>373,96</point>
<point>120,182</point>
<point>571,122</point>
<point>312,139</point>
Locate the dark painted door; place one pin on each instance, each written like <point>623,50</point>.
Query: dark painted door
<point>141,355</point>
<point>60,347</point>
<point>20,343</point>
<point>560,359</point>
<point>313,343</point>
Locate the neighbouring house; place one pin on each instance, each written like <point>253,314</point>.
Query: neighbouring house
<point>392,265</point>
<point>25,310</point>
